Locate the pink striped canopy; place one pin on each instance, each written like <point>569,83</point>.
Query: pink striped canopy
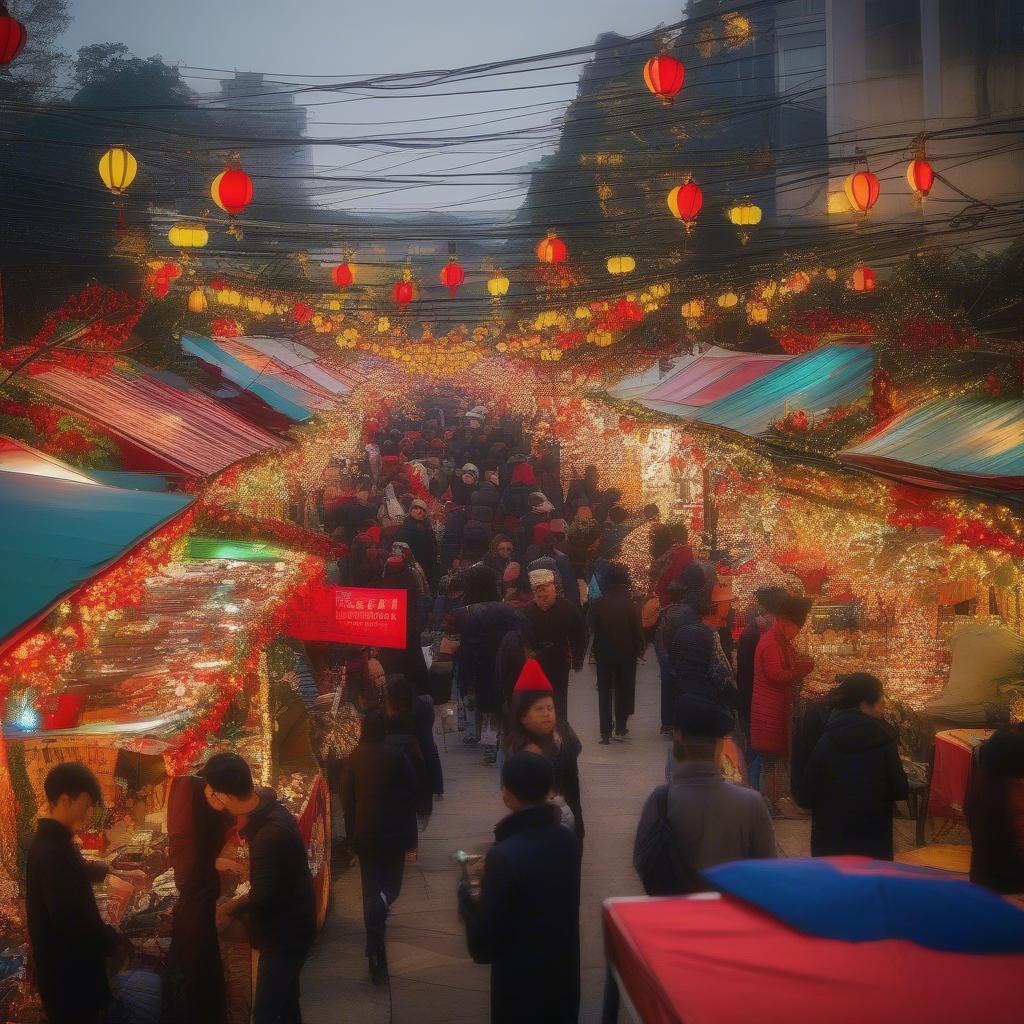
<point>184,428</point>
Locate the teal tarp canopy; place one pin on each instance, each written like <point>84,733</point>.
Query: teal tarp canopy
<point>55,535</point>
<point>131,481</point>
<point>958,441</point>
<point>815,382</point>
<point>277,393</point>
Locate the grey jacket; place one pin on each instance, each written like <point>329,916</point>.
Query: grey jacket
<point>713,820</point>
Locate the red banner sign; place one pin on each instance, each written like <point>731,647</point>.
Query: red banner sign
<point>349,615</point>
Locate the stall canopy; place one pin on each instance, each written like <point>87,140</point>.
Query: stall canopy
<point>815,383</point>
<point>281,395</point>
<point>57,534</point>
<point>636,385</point>
<point>304,362</point>
<point>182,428</point>
<point>707,378</point>
<point>16,457</point>
<point>957,443</point>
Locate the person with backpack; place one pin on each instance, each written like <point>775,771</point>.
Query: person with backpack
<point>698,820</point>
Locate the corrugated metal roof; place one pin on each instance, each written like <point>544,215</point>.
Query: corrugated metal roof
<point>959,437</point>
<point>184,428</point>
<point>815,382</point>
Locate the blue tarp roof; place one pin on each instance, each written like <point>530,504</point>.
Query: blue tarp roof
<point>277,393</point>
<point>815,382</point>
<point>979,440</point>
<point>131,481</point>
<point>56,534</point>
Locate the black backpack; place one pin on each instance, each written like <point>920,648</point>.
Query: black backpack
<point>656,860</point>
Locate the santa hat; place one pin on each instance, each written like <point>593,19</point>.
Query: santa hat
<point>532,677</point>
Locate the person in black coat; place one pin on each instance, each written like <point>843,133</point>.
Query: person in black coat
<point>70,941</point>
<point>854,775</point>
<point>280,906</point>
<point>418,533</point>
<point>379,796</point>
<point>525,920</point>
<point>618,643</point>
<point>411,726</point>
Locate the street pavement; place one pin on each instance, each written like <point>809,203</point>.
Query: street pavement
<point>433,981</point>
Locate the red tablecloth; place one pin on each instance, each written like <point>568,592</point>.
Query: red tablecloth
<point>710,961</point>
<point>952,770</point>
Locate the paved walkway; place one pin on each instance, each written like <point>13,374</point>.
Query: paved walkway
<point>433,981</point>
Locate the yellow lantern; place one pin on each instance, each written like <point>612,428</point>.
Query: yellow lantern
<point>383,325</point>
<point>497,285</point>
<point>618,265</point>
<point>118,169</point>
<point>197,301</point>
<point>188,236</point>
<point>233,299</point>
<point>727,300</point>
<point>215,191</point>
<point>743,216</point>
<point>757,313</point>
<point>582,313</point>
<point>693,310</point>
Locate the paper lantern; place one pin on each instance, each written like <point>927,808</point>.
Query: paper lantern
<point>215,190</point>
<point>743,216</point>
<point>862,190</point>
<point>685,202</point>
<point>343,274</point>
<point>693,310</point>
<point>497,285</point>
<point>452,276</point>
<point>664,76</point>
<point>404,291</point>
<point>197,301</point>
<point>727,300</point>
<point>862,280</point>
<point>552,249</point>
<point>232,190</point>
<point>188,236</point>
<point>798,282</point>
<point>920,177</point>
<point>618,265</point>
<point>117,169</point>
<point>12,37</point>
<point>757,313</point>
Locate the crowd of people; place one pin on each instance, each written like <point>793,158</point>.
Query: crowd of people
<point>511,581</point>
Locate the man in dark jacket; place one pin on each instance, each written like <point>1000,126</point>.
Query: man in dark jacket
<point>854,775</point>
<point>280,906</point>
<point>379,798</point>
<point>618,643</point>
<point>557,635</point>
<point>70,942</point>
<point>525,921</point>
<point>418,533</point>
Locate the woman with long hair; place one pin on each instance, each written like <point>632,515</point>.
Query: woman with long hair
<point>533,726</point>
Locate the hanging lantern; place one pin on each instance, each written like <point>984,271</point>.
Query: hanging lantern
<point>664,76</point>
<point>920,177</point>
<point>727,300</point>
<point>404,291</point>
<point>215,190</point>
<point>118,169</point>
<point>862,189</point>
<point>798,282</point>
<point>685,201</point>
<point>552,249</point>
<point>693,310</point>
<point>344,274</point>
<point>744,215</point>
<point>188,236</point>
<point>452,276</point>
<point>757,313</point>
<point>197,301</point>
<point>232,190</point>
<point>862,280</point>
<point>619,265</point>
<point>497,285</point>
<point>12,37</point>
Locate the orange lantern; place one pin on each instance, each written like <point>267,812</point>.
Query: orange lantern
<point>862,189</point>
<point>664,76</point>
<point>920,177</point>
<point>685,202</point>
<point>862,280</point>
<point>552,249</point>
<point>798,282</point>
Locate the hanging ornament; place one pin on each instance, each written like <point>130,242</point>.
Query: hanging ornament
<point>497,285</point>
<point>404,291</point>
<point>552,249</point>
<point>12,37</point>
<point>693,310</point>
<point>757,313</point>
<point>452,276</point>
<point>197,301</point>
<point>920,178</point>
<point>301,313</point>
<point>234,190</point>
<point>117,169</point>
<point>744,215</point>
<point>664,76</point>
<point>188,236</point>
<point>619,265</point>
<point>862,280</point>
<point>798,282</point>
<point>344,274</point>
<point>862,189</point>
<point>685,202</point>
<point>727,300</point>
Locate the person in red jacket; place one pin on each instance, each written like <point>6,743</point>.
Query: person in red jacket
<point>778,672</point>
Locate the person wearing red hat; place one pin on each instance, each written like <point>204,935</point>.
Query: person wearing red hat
<point>533,725</point>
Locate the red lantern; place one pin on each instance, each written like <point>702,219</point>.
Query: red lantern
<point>234,190</point>
<point>862,280</point>
<point>301,313</point>
<point>920,177</point>
<point>404,291</point>
<point>12,37</point>
<point>685,202</point>
<point>862,189</point>
<point>552,249</point>
<point>452,276</point>
<point>169,270</point>
<point>343,275</point>
<point>798,282</point>
<point>664,76</point>
<point>217,284</point>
